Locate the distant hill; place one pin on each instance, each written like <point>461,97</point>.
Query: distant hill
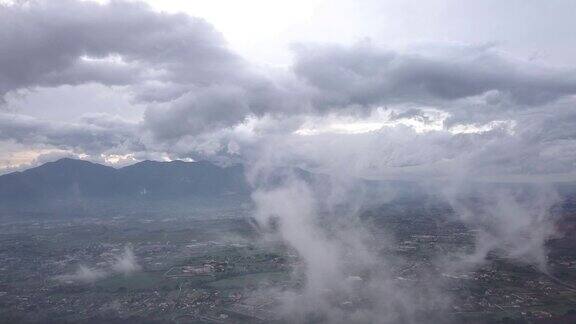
<point>70,182</point>
<point>72,187</point>
<point>76,187</point>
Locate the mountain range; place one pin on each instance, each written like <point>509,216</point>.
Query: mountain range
<point>71,182</point>
<point>78,187</point>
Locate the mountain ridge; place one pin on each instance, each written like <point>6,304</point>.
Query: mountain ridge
<point>68,181</point>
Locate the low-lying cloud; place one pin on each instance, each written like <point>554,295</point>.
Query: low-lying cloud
<point>124,263</point>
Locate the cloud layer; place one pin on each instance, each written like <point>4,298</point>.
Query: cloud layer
<point>203,100</point>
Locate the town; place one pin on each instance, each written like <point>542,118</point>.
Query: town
<point>218,270</point>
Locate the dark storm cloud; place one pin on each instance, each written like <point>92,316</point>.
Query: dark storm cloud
<point>95,134</point>
<point>176,61</point>
<point>46,43</point>
<point>208,109</point>
<point>224,104</point>
<point>366,75</point>
<point>473,83</point>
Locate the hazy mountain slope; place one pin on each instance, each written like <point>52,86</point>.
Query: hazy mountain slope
<point>54,180</point>
<point>69,181</point>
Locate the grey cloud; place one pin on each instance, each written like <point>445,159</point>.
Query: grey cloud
<point>198,92</point>
<point>412,113</point>
<point>43,43</point>
<point>95,134</point>
<point>178,64</point>
<point>81,72</point>
<point>541,142</point>
<point>200,111</point>
<point>473,83</point>
<point>516,220</point>
<point>209,109</point>
<point>365,75</point>
<point>341,260</point>
<point>538,144</point>
<point>161,57</point>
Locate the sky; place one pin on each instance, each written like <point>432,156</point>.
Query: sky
<point>384,89</point>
